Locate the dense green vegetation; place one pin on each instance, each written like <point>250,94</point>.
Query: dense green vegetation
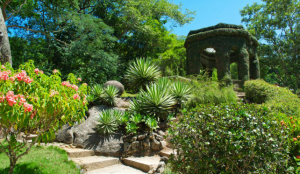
<point>94,39</point>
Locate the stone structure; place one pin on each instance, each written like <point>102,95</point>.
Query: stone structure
<point>220,45</point>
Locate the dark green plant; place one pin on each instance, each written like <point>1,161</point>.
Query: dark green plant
<point>107,122</point>
<point>141,73</point>
<point>229,139</point>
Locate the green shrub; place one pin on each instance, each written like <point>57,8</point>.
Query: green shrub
<point>141,73</point>
<point>279,99</point>
<point>207,91</point>
<point>109,121</point>
<point>229,139</point>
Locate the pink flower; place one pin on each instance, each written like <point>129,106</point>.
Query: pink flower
<point>22,100</point>
<point>3,67</point>
<point>12,79</point>
<point>79,79</point>
<point>42,72</point>
<point>23,73</point>
<point>19,77</point>
<point>10,93</point>
<point>67,84</point>
<point>10,97</point>
<point>5,75</point>
<point>54,93</point>
<point>55,71</point>
<point>36,70</point>
<point>28,80</point>
<point>295,139</point>
<point>28,107</point>
<point>75,87</point>
<point>76,96</point>
<point>85,84</point>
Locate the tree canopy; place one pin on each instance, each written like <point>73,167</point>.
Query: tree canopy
<point>276,24</point>
<point>94,39</point>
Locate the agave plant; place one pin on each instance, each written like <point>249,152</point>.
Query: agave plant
<point>156,101</point>
<point>97,91</point>
<point>181,92</point>
<point>110,95</point>
<point>141,73</point>
<point>107,123</point>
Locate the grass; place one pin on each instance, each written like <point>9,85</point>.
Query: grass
<point>125,94</point>
<point>41,160</point>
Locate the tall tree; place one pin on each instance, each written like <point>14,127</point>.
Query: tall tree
<point>276,24</point>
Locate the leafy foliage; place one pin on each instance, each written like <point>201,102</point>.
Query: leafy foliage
<point>110,95</point>
<point>32,101</point>
<point>229,139</point>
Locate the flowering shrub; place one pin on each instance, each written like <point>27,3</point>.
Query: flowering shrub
<point>229,139</point>
<point>33,102</point>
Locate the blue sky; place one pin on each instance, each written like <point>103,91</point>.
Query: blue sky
<point>212,12</point>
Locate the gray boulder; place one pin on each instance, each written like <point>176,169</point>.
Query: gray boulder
<point>86,136</point>
<point>116,84</point>
<point>65,134</point>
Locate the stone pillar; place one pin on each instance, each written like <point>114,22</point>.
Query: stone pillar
<point>243,64</point>
<point>254,67</point>
<point>193,60</point>
<point>223,64</point>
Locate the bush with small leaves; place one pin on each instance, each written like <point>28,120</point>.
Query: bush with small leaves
<point>229,139</point>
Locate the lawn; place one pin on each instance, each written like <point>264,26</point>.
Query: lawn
<point>40,160</point>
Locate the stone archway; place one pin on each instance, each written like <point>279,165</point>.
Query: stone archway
<point>220,45</point>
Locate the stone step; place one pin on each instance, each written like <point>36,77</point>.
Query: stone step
<point>240,94</point>
<point>29,137</point>
<point>167,152</point>
<point>77,153</point>
<point>146,163</point>
<point>116,169</point>
<point>95,162</point>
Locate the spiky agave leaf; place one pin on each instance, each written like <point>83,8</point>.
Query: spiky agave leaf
<point>106,123</point>
<point>181,92</point>
<point>142,72</point>
<point>151,122</point>
<point>156,101</point>
<point>110,95</point>
<point>97,91</point>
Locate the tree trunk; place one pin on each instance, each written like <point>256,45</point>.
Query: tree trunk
<point>12,166</point>
<point>5,53</point>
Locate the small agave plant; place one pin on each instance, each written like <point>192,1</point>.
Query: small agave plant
<point>109,121</point>
<point>110,95</point>
<point>142,72</point>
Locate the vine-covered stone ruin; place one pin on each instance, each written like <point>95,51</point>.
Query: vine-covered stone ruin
<point>220,45</point>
